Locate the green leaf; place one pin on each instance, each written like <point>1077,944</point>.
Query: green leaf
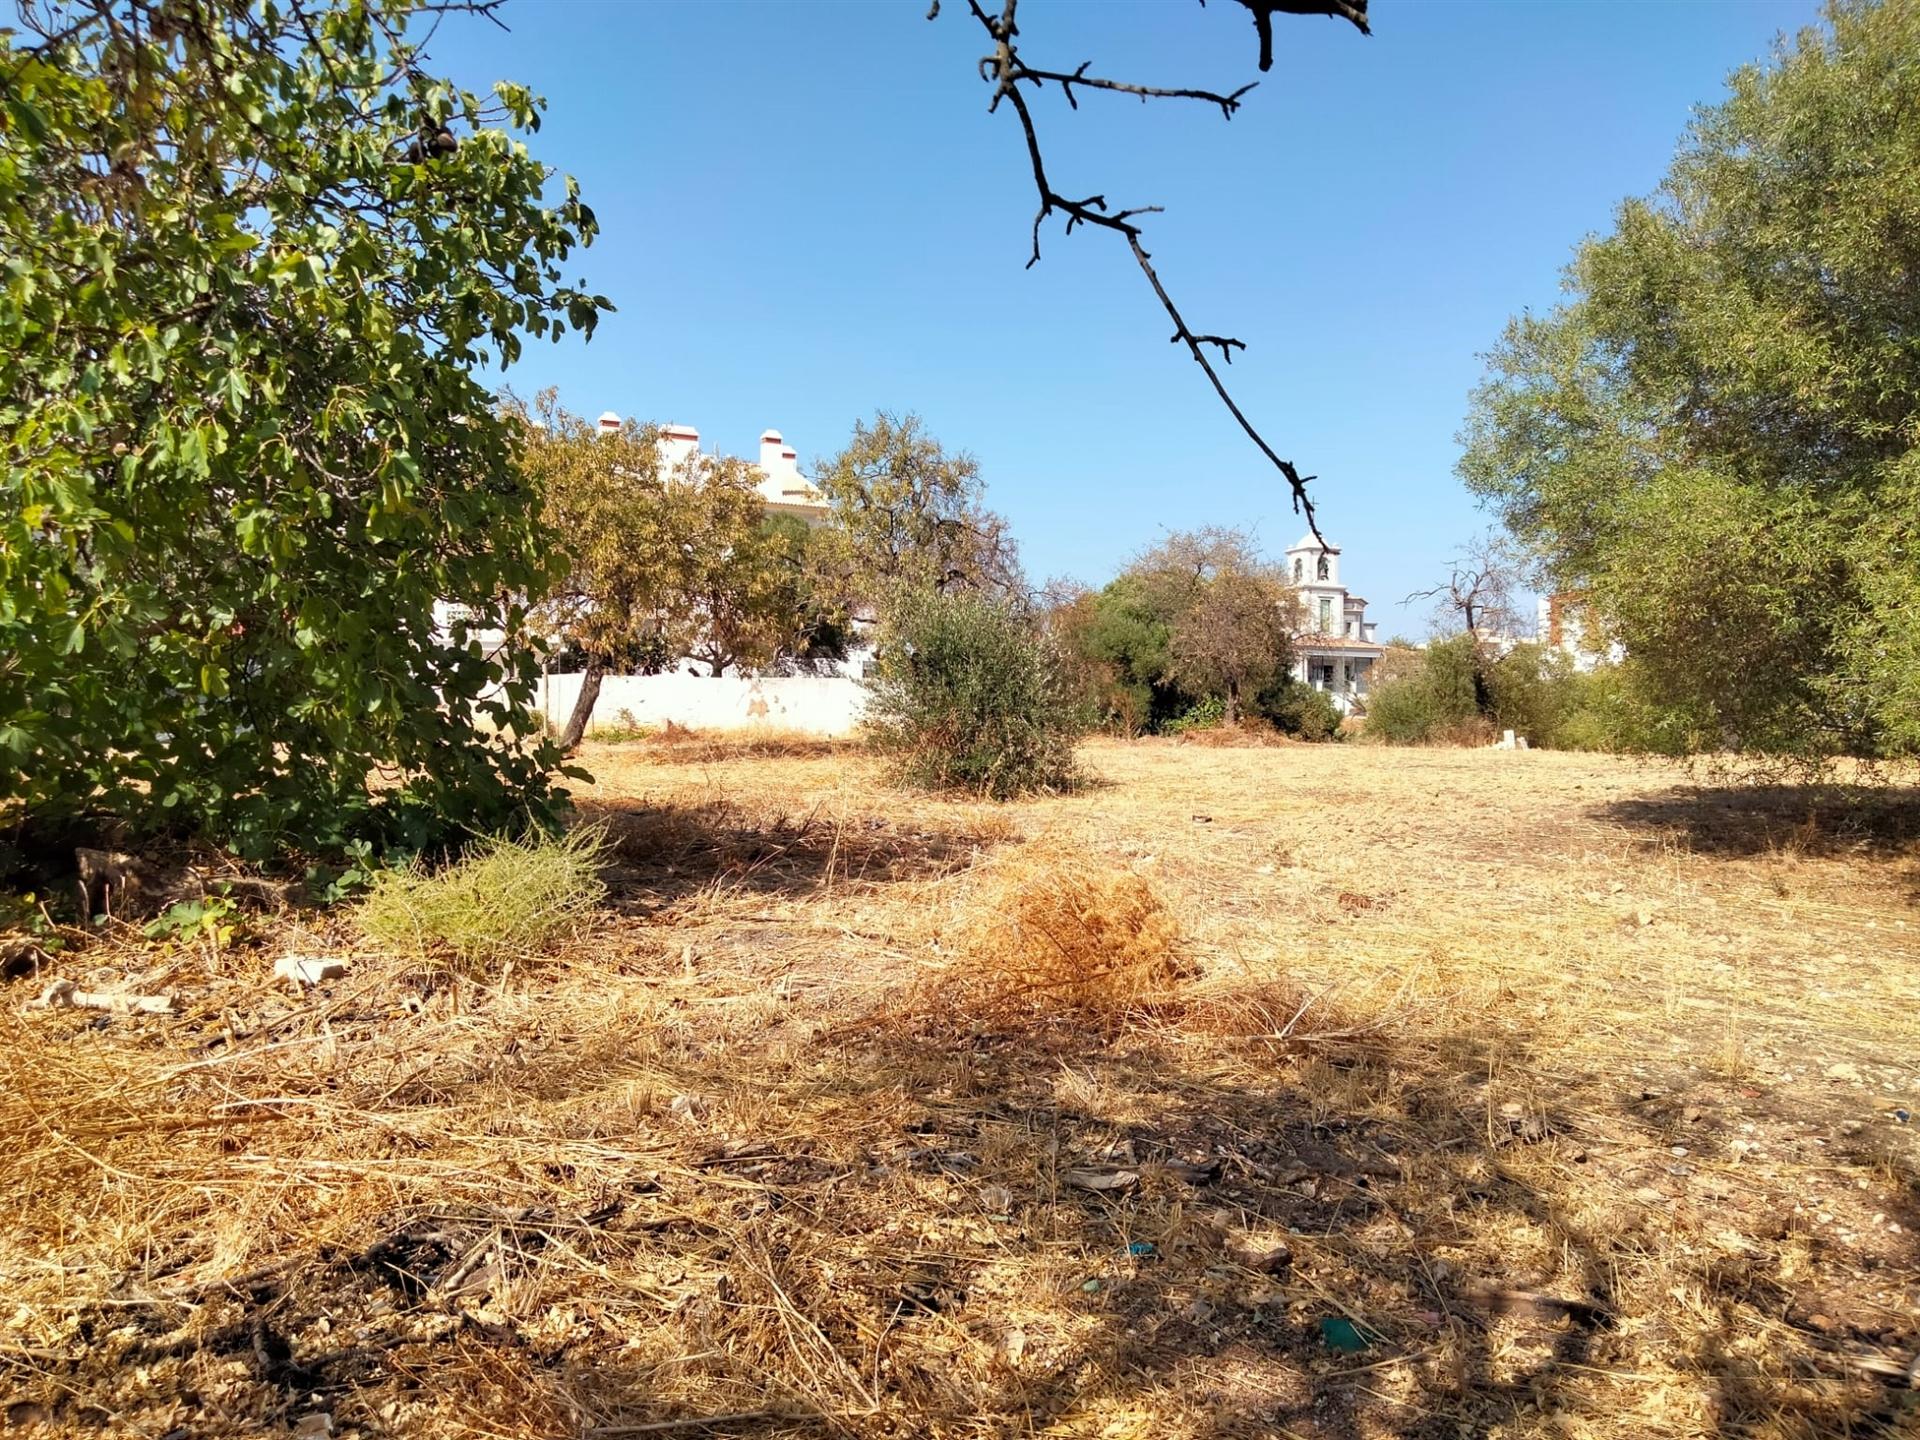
<point>28,118</point>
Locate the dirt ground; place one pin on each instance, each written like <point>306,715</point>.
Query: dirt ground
<point>1493,1093</point>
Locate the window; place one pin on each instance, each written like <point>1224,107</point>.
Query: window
<point>1326,615</point>
<point>1299,569</point>
<point>1323,569</point>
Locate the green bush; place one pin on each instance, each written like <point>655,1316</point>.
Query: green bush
<point>1207,714</point>
<point>1530,691</point>
<point>1456,694</point>
<point>251,440</point>
<point>1400,712</point>
<point>969,696</point>
<point>1603,712</point>
<point>1299,710</point>
<point>1436,702</point>
<point>503,901</point>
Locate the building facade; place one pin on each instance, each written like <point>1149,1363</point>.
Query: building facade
<point>781,485</point>
<point>1566,626</point>
<point>1334,645</point>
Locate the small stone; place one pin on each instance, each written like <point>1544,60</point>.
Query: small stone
<point>1267,1259</point>
<point>1844,1071</point>
<point>309,970</point>
<point>1679,1150</point>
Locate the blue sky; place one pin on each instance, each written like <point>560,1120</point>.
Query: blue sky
<point>808,214</point>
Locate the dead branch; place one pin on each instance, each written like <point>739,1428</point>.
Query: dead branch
<point>1263,11</point>
<point>1006,71</point>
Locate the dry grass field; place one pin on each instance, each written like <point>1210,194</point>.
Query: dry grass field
<point>1291,1091</point>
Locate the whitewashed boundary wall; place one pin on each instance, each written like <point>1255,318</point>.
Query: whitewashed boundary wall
<point>816,704</point>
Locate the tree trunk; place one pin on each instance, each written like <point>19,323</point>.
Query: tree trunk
<point>583,705</point>
<point>1233,703</point>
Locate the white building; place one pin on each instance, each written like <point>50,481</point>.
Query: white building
<point>785,490</point>
<point>1565,626</point>
<point>781,485</point>
<point>1335,645</point>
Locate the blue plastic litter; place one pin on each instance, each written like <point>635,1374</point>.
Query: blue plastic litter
<point>1342,1335</point>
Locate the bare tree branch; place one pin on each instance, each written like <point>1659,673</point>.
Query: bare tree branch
<point>1354,11</point>
<point>1006,71</point>
<point>1479,588</point>
<point>1066,81</point>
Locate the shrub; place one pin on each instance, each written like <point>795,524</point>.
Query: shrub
<point>503,901</point>
<point>1299,710</point>
<point>1399,712</point>
<point>1207,714</point>
<point>969,696</point>
<point>1531,690</point>
<point>1603,712</point>
<point>1436,701</point>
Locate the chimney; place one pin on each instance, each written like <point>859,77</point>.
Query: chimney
<point>609,424</point>
<point>678,444</point>
<point>776,461</point>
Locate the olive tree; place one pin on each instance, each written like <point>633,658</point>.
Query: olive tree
<point>658,561</point>
<point>906,515</point>
<point>1715,441</point>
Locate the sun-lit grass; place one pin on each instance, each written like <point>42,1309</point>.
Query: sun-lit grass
<point>1570,1086</point>
<point>504,900</point>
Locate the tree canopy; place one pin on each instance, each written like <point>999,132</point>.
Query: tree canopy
<point>1715,441</point>
<point>907,515</point>
<point>1230,615</point>
<point>251,260</point>
<point>657,561</point>
<point>1199,620</point>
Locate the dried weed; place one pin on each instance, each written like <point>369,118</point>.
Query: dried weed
<point>1049,929</point>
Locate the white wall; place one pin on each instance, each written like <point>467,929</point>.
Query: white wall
<point>817,704</point>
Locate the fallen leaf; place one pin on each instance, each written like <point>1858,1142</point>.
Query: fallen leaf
<point>1102,1179</point>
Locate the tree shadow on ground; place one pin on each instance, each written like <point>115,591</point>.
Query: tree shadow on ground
<point>949,1217</point>
<point>943,1222</point>
<point>1814,821</point>
<point>960,1228</point>
<point>662,855</point>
